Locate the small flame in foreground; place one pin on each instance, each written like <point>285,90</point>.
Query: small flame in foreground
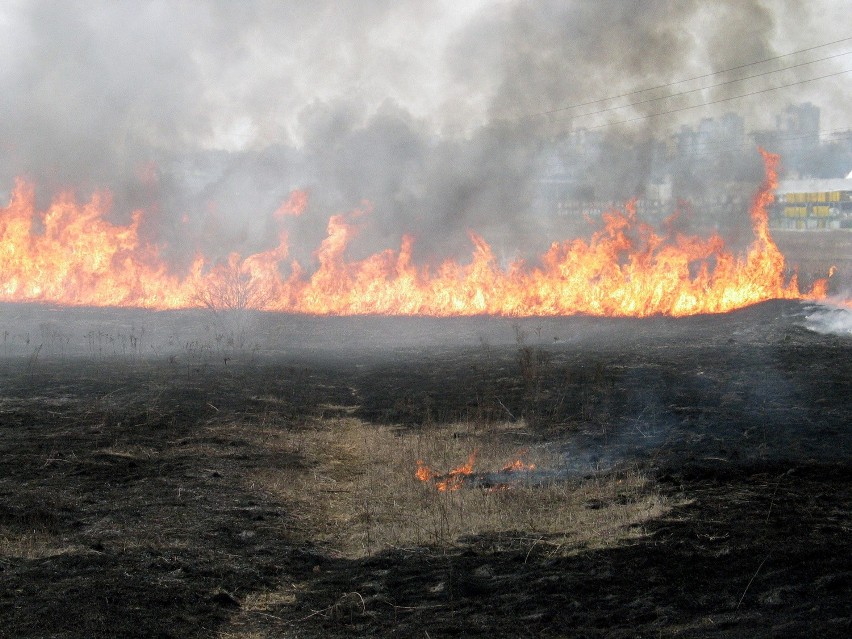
<point>454,479</point>
<point>72,255</point>
<point>424,473</point>
<point>450,481</point>
<point>517,466</point>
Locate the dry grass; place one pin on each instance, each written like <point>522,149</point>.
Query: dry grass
<point>36,543</point>
<point>351,488</point>
<point>256,605</point>
<point>243,634</point>
<point>360,494</point>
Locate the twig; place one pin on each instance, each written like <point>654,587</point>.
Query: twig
<point>429,607</point>
<point>748,585</point>
<point>772,499</point>
<point>531,548</point>
<point>334,605</point>
<point>507,410</point>
<point>314,613</point>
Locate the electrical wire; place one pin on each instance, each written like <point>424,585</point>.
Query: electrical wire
<point>704,149</point>
<point>709,86</point>
<point>703,104</point>
<point>697,77</point>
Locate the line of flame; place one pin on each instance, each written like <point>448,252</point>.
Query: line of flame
<point>71,254</point>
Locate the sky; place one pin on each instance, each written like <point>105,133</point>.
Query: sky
<point>436,112</point>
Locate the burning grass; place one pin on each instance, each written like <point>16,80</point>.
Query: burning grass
<point>625,269</point>
<point>363,493</point>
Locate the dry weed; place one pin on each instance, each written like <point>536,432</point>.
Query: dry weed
<point>31,544</point>
<point>360,494</point>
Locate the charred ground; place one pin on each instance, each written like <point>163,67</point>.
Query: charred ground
<point>161,479</point>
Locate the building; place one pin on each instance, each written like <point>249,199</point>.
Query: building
<point>813,204</point>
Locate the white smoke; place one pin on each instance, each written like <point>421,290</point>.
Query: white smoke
<point>830,319</point>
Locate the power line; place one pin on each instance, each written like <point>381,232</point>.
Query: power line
<point>709,86</point>
<point>703,104</point>
<point>697,77</point>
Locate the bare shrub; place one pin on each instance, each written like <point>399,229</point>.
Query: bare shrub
<point>230,287</point>
<point>533,361</point>
<point>230,292</point>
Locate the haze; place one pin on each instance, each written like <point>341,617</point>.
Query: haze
<point>207,114</point>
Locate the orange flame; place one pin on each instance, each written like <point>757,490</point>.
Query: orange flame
<point>72,255</point>
<point>424,473</point>
<point>517,466</point>
<point>454,479</point>
<point>449,481</point>
<point>294,205</point>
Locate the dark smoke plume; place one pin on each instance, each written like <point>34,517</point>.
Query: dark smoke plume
<point>444,118</point>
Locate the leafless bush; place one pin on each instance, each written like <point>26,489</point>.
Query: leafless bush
<point>533,361</point>
<point>230,293</point>
<point>231,288</point>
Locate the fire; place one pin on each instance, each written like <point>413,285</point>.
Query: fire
<point>424,473</point>
<point>517,466</point>
<point>455,478</point>
<point>71,254</point>
<point>294,205</point>
<point>449,481</point>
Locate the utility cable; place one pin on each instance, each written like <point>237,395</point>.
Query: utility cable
<point>709,86</point>
<point>697,77</point>
<point>703,104</point>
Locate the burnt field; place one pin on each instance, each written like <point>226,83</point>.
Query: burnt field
<point>188,475</point>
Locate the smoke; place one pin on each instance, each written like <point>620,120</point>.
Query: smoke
<point>444,118</point>
<point>830,320</point>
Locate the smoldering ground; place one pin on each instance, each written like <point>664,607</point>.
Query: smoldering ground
<point>611,390</point>
<point>161,478</point>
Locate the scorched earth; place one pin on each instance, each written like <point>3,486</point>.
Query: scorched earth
<point>184,474</point>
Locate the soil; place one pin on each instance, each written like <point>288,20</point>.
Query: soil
<point>124,514</point>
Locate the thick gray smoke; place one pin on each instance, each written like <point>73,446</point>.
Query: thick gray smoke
<point>444,117</point>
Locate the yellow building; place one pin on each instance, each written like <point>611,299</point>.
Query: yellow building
<point>813,204</point>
